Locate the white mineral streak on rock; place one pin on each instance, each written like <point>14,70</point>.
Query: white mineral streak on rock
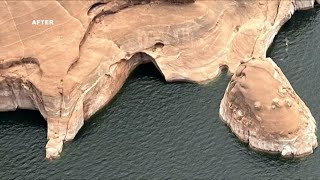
<point>304,4</point>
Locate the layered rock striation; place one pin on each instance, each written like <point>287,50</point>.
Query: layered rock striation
<point>70,68</point>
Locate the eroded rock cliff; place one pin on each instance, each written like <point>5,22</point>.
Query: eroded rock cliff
<point>72,68</point>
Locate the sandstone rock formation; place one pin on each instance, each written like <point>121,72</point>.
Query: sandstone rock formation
<point>263,110</point>
<point>303,4</point>
<point>72,68</point>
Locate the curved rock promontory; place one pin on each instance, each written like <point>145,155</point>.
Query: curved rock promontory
<point>68,59</point>
<point>262,109</point>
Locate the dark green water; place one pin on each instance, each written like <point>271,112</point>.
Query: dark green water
<point>158,130</point>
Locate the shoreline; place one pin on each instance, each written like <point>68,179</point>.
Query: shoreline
<point>67,92</point>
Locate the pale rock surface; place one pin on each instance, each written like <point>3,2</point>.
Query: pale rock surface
<point>304,4</point>
<point>71,69</point>
<point>262,109</point>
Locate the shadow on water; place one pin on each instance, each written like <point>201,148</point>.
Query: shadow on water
<point>26,118</point>
<point>145,71</point>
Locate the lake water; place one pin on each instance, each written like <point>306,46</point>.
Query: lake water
<point>158,130</point>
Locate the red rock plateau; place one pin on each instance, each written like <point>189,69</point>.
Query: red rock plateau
<point>67,59</point>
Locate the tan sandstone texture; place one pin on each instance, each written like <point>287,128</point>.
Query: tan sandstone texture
<point>72,68</point>
<point>263,110</point>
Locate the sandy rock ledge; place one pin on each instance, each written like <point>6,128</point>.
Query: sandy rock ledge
<point>262,109</point>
